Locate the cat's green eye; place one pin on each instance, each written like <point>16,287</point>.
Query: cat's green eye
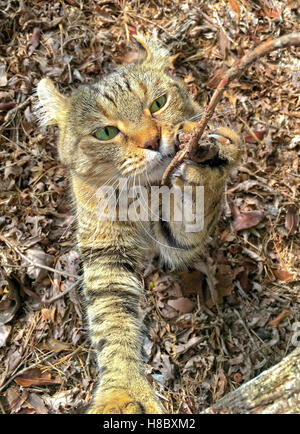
<point>106,133</point>
<point>158,104</point>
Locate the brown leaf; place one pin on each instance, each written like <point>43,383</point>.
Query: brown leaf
<point>292,219</point>
<point>182,304</point>
<point>221,383</point>
<point>37,255</point>
<point>35,40</point>
<point>183,348</point>
<point>247,220</point>
<point>276,321</point>
<point>4,333</point>
<point>5,106</point>
<point>3,75</point>
<point>57,346</point>
<point>216,78</point>
<point>250,138</point>
<point>224,44</point>
<point>191,282</point>
<point>283,275</point>
<point>234,5</point>
<point>35,377</point>
<point>37,402</point>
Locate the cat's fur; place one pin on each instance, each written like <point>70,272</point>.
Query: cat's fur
<point>113,251</point>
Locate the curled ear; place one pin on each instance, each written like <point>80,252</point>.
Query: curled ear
<point>152,51</point>
<point>51,105</point>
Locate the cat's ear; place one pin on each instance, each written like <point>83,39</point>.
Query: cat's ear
<point>51,105</point>
<point>151,51</point>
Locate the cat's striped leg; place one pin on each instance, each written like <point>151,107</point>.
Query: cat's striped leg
<point>113,290</point>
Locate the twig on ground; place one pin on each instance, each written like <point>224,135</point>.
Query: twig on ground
<point>57,297</point>
<point>34,264</point>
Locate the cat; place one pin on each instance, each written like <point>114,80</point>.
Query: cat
<point>125,127</point>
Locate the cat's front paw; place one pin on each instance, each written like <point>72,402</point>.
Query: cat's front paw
<point>212,161</point>
<point>119,401</point>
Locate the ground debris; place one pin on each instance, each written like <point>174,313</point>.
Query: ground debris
<point>199,353</point>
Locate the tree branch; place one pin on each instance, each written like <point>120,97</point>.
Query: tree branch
<point>275,391</point>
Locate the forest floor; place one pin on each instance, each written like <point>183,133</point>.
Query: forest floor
<point>198,352</point>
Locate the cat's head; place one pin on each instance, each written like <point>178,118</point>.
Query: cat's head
<point>123,125</point>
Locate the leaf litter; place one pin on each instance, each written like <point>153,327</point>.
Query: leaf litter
<point>198,351</point>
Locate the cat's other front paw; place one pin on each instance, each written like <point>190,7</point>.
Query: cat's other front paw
<point>119,401</point>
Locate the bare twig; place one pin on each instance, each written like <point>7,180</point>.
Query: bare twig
<point>57,297</point>
<point>11,114</point>
<point>189,150</point>
<point>34,264</point>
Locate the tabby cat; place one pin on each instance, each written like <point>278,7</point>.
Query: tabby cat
<point>126,126</point>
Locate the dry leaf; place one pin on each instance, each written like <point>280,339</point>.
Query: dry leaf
<point>292,219</point>
<point>183,348</point>
<point>35,377</point>
<point>38,404</point>
<point>57,346</point>
<point>224,44</point>
<point>3,76</point>
<point>182,304</point>
<point>191,282</point>
<point>35,40</point>
<point>38,256</point>
<point>247,220</point>
<point>283,275</point>
<point>249,138</point>
<point>234,5</point>
<point>276,321</point>
<point>4,333</point>
<point>5,106</point>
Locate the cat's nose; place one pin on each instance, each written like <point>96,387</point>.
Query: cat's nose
<point>152,144</point>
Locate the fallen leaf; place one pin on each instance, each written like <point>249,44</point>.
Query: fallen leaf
<point>276,321</point>
<point>35,377</point>
<point>37,255</point>
<point>183,348</point>
<point>5,106</point>
<point>35,40</point>
<point>182,304</point>
<point>234,5</point>
<point>15,400</point>
<point>3,76</point>
<point>57,346</point>
<point>224,44</point>
<point>216,78</point>
<point>38,404</point>
<point>283,275</point>
<point>220,384</point>
<point>4,333</point>
<point>292,219</point>
<point>250,138</point>
<point>247,220</point>
<point>191,282</point>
